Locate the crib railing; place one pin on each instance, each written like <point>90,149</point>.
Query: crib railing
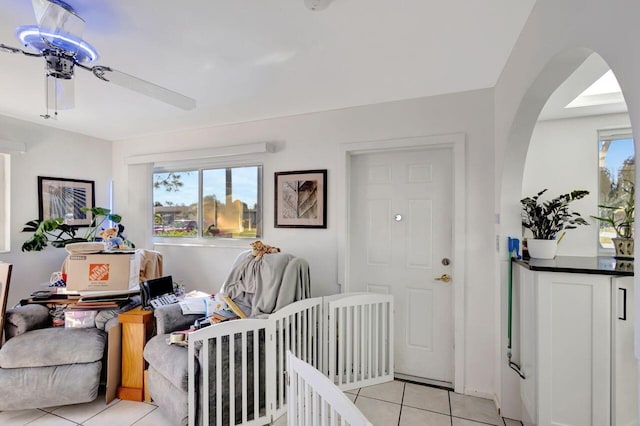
<point>359,339</point>
<point>236,368</point>
<point>315,400</point>
<point>297,328</point>
<point>238,355</point>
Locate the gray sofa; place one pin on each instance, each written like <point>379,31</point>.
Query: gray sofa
<point>43,366</point>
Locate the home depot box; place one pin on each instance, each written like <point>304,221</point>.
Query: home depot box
<point>103,271</point>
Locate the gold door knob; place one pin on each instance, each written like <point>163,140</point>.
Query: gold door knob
<point>445,277</point>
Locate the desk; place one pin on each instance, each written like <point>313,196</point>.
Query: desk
<point>137,326</point>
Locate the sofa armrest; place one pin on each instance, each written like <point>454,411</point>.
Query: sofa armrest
<point>170,318</point>
<point>25,318</point>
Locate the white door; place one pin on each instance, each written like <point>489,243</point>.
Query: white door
<point>400,242</point>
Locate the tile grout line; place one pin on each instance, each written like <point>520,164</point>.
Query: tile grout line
<point>101,411</point>
<point>475,420</point>
<point>31,421</point>
<point>404,387</point>
<point>149,413</point>
<point>450,410</point>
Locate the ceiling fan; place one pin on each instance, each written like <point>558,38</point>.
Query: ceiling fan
<point>58,39</point>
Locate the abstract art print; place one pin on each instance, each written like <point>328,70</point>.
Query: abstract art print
<point>301,199</point>
<point>65,198</point>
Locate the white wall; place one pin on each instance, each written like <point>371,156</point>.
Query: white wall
<point>557,37</point>
<point>563,156</point>
<point>55,153</point>
<point>312,141</point>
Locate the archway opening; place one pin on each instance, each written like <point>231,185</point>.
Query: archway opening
<point>560,141</point>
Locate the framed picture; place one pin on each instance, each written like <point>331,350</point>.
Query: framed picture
<point>301,199</point>
<point>59,197</point>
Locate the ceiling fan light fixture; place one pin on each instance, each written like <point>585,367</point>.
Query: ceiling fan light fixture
<point>32,36</point>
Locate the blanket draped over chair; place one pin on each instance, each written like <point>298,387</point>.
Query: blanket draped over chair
<point>268,283</point>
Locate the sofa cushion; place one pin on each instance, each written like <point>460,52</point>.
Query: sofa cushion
<point>53,346</point>
<point>171,361</point>
<point>24,388</point>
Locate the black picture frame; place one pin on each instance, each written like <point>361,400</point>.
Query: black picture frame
<point>289,186</point>
<point>64,198</point>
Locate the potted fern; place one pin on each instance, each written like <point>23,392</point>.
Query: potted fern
<point>620,217</point>
<point>548,219</point>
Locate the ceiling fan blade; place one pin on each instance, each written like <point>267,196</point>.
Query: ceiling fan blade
<point>57,20</point>
<point>142,86</point>
<point>10,49</point>
<point>60,93</point>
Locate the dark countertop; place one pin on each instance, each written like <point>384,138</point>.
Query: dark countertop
<point>581,265</point>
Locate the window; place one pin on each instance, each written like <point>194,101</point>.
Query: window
<point>208,203</point>
<point>617,176</point>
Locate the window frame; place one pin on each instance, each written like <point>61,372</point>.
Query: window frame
<point>609,135</point>
<point>199,239</point>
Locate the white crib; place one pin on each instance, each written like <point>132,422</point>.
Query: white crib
<point>348,337</point>
<point>314,400</point>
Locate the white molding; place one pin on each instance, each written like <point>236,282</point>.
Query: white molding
<point>455,141</point>
<point>199,154</point>
<point>10,147</point>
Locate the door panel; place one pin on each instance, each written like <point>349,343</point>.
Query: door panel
<point>400,230</point>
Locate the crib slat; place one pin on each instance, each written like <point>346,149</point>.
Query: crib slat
<point>370,334</point>
<point>281,353</point>
<point>350,343</point>
<point>340,345</point>
<point>192,385</point>
<point>303,335</point>
<point>300,398</point>
<point>375,339</point>
<point>205,379</point>
<point>245,349</point>
<point>218,384</point>
<point>256,374</point>
<point>384,338</point>
<point>324,412</point>
<point>314,408</point>
<point>307,403</point>
<point>298,332</point>
<point>232,375</point>
<point>363,342</point>
<point>332,342</point>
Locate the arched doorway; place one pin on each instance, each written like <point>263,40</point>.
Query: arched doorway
<point>525,126</point>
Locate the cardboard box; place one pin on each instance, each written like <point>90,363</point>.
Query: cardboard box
<point>103,271</point>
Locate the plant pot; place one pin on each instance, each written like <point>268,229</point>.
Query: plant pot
<point>624,248</point>
<point>542,249</point>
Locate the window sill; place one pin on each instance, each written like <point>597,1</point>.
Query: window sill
<point>217,243</point>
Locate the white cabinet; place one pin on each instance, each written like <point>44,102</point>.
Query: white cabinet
<point>576,356</point>
<point>624,370</point>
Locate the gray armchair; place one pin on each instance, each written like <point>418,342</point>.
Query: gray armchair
<point>44,366</point>
<point>262,285</point>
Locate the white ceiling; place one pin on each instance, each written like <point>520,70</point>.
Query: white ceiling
<point>246,60</point>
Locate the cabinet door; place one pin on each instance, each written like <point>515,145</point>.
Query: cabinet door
<point>624,391</point>
<point>528,345</point>
<point>574,349</point>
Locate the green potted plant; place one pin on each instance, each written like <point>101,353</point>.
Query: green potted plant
<point>620,216</point>
<point>547,219</point>
<point>59,234</point>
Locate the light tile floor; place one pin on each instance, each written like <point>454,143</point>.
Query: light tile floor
<point>390,404</point>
